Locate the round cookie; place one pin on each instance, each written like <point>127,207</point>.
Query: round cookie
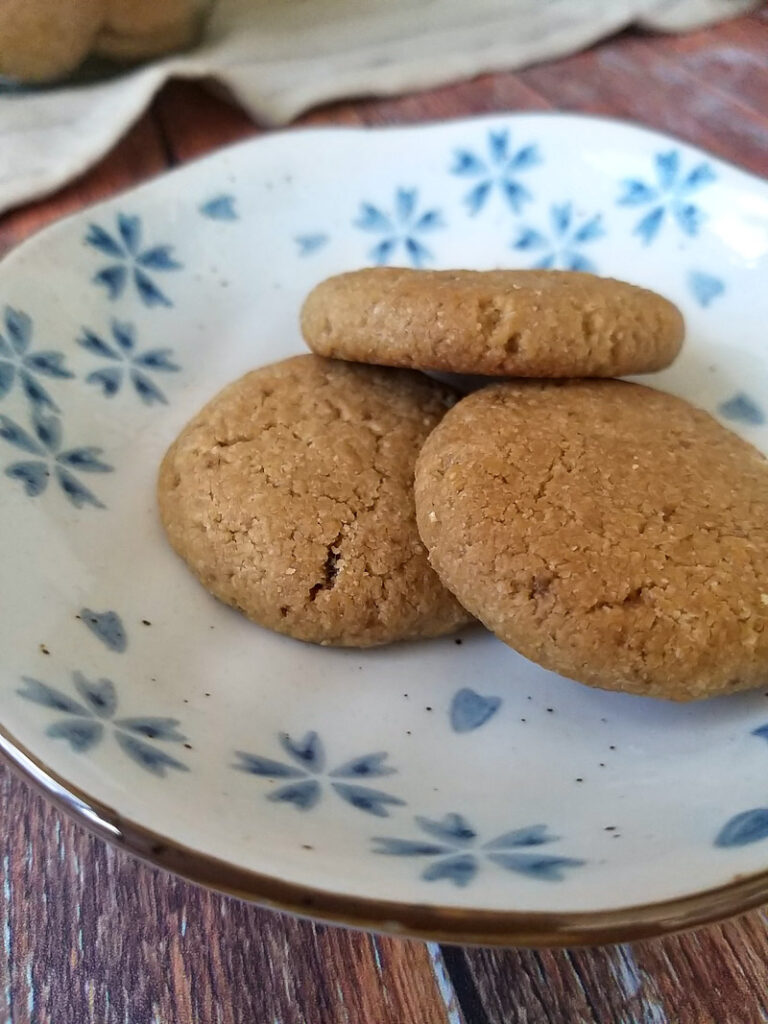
<point>41,40</point>
<point>143,17</point>
<point>290,497</point>
<point>607,531</point>
<point>131,48</point>
<point>517,323</point>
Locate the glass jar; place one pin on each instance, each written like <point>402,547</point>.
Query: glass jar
<point>45,41</point>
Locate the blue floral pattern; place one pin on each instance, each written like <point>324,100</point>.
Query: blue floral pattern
<point>560,246</point>
<point>304,778</point>
<point>131,261</point>
<point>126,363</point>
<point>92,718</point>
<point>311,243</point>
<point>108,627</point>
<point>402,228</point>
<point>48,459</point>
<point>470,710</point>
<point>499,170</point>
<point>705,288</point>
<point>221,207</point>
<point>742,409</point>
<point>670,194</point>
<point>455,853</point>
<point>19,365</point>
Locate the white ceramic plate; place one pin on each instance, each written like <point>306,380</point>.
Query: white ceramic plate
<point>448,787</point>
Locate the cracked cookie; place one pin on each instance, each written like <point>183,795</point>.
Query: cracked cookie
<point>607,531</point>
<point>290,497</point>
<point>516,323</point>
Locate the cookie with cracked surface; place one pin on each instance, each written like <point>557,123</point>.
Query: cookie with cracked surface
<point>609,532</point>
<point>515,323</point>
<point>290,497</point>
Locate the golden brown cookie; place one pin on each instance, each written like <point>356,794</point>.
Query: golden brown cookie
<point>143,17</point>
<point>131,48</point>
<point>607,531</point>
<point>517,323</point>
<point>290,497</point>
<point>41,40</point>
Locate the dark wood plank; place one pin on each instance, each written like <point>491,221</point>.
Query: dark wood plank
<point>88,935</point>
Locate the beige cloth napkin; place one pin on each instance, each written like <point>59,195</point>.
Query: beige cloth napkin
<point>279,57</point>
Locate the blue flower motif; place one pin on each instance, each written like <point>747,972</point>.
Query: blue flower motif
<point>705,288</point>
<point>48,459</point>
<point>748,827</point>
<point>560,247</point>
<point>670,194</point>
<point>311,243</point>
<point>127,363</point>
<point>499,170</point>
<point>399,228</point>
<point>456,855</point>
<point>221,207</point>
<point>107,626</point>
<point>742,409</point>
<point>470,710</point>
<point>90,721</point>
<point>131,261</point>
<point>19,365</point>
<point>305,779</point>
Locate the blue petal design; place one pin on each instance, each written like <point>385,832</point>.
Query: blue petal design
<point>308,751</point>
<point>149,393</point>
<point>108,380</point>
<point>515,194</point>
<point>220,208</point>
<point>667,168</point>
<point>534,835</point>
<point>266,767</point>
<point>50,697</point>
<point>590,230</point>
<point>466,163</point>
<point>475,199</point>
<point>452,828</point>
<point>99,239</point>
<point>470,710</point>
<point>100,695</point>
<point>405,203</point>
<point>460,870</point>
<point>648,227</point>
<point>125,335</point>
<point>159,258</point>
<point>152,728</point>
<point>17,436</point>
<point>573,260</point>
<point>367,766</point>
<point>35,392</point>
<point>148,291</point>
<point>364,799</point>
<point>156,359</point>
<point>48,430</point>
<point>762,732</point>
<point>372,219</point>
<point>49,364</point>
<point>747,827</point>
<point>705,287</point>
<point>524,158</point>
<point>311,243</point>
<point>84,460</point>
<point>546,262</point>
<point>77,493</point>
<point>418,253</point>
<point>498,144</point>
<point>108,627</point>
<point>130,232</point>
<point>380,253</point>
<point>6,351</point>
<point>689,217</point>
<point>700,175</point>
<point>742,409</point>
<point>19,328</point>
<point>82,734</point>
<point>7,377</point>
<point>113,278</point>
<point>407,847</point>
<point>529,239</point>
<point>93,343</point>
<point>429,221</point>
<point>303,795</point>
<point>637,193</point>
<point>155,761</point>
<point>34,476</point>
<point>561,218</point>
<point>546,867</point>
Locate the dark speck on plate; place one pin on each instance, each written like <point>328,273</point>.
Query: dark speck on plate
<point>146,622</point>
<point>458,641</point>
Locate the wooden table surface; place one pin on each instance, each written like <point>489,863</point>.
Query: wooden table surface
<point>90,936</point>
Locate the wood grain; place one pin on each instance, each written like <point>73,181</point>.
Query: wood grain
<point>90,936</point>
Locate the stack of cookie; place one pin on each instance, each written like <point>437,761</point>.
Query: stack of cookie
<point>608,531</point>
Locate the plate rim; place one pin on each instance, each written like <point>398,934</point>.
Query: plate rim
<point>428,922</point>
